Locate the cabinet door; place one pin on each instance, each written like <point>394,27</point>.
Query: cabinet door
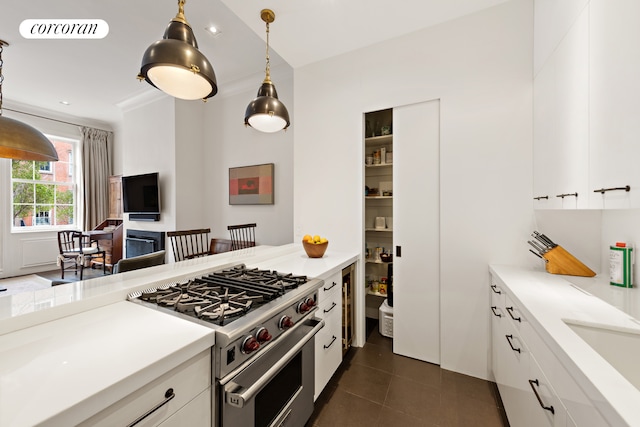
<point>561,122</point>
<point>614,108</point>
<point>416,225</point>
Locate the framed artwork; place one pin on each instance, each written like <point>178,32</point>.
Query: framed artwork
<point>251,185</point>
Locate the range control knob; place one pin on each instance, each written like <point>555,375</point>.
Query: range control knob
<point>263,335</point>
<point>285,322</point>
<point>310,302</point>
<point>249,345</point>
<point>305,306</point>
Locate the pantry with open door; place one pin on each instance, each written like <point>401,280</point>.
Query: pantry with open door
<point>401,223</point>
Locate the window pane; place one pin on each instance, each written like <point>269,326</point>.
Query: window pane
<point>43,215</point>
<point>23,192</point>
<point>64,195</point>
<point>45,193</point>
<point>22,215</point>
<point>22,169</point>
<point>63,215</point>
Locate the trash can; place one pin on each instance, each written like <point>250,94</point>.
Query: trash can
<point>385,320</point>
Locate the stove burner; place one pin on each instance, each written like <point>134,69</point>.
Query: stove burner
<point>224,295</point>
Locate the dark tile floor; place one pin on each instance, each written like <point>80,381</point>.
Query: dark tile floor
<point>375,387</point>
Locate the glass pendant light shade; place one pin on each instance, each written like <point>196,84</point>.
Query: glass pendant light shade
<point>176,66</point>
<point>266,112</point>
<point>20,141</point>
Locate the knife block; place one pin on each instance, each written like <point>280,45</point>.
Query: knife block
<point>559,261</point>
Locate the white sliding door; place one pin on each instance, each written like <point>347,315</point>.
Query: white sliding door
<point>416,230</point>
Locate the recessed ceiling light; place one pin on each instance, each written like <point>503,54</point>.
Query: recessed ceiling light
<point>65,103</point>
<point>213,30</point>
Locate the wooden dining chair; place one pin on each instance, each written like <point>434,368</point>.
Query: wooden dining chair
<point>187,244</point>
<point>79,250</point>
<point>242,236</point>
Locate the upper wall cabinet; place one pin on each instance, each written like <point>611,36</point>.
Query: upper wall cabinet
<point>614,118</point>
<point>561,116</point>
<point>586,88</point>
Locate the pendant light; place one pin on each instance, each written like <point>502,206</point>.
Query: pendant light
<point>176,66</point>
<point>20,141</point>
<point>266,112</point>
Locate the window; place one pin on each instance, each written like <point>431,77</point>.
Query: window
<point>45,193</point>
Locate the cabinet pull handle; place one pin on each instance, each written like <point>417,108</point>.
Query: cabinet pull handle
<point>331,308</point>
<point>604,190</point>
<point>493,308</point>
<point>541,197</point>
<point>331,343</point>
<point>168,395</point>
<point>562,196</point>
<point>495,289</point>
<point>510,311</point>
<point>509,338</point>
<point>548,408</point>
<point>326,289</point>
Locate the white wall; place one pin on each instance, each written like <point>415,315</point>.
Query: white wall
<point>228,143</point>
<point>480,67</point>
<point>149,145</point>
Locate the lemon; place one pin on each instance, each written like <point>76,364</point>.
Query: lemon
<point>307,238</point>
<point>323,240</point>
<point>316,239</point>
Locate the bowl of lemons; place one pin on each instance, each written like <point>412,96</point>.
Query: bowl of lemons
<point>314,246</point>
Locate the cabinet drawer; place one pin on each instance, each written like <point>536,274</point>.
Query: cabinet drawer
<point>328,352</point>
<point>549,410</point>
<point>571,395</point>
<point>332,286</point>
<point>187,381</point>
<point>195,413</point>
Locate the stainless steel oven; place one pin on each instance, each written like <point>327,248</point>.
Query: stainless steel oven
<point>277,388</point>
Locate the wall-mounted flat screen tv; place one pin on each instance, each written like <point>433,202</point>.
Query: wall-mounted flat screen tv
<point>141,193</point>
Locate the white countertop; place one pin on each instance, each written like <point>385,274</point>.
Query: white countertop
<point>70,351</point>
<point>548,299</point>
<point>64,371</point>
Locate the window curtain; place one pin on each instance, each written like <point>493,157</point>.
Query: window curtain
<point>96,168</point>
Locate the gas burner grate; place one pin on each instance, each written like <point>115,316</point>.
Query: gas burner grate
<point>223,295</point>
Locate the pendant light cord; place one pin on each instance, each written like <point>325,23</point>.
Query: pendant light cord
<point>267,78</point>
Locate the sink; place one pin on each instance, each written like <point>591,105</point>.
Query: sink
<point>618,346</point>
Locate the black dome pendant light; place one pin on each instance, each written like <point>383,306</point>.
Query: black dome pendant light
<point>266,112</point>
<point>176,66</point>
<point>20,141</point>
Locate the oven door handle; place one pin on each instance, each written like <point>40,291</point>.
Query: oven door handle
<point>240,396</point>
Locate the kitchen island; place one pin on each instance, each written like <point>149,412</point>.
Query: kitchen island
<point>565,348</point>
<point>75,350</point>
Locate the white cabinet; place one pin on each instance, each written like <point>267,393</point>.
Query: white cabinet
<point>585,108</point>
<point>614,109</point>
<point>561,113</point>
<point>328,341</point>
<point>534,386</point>
<point>190,385</point>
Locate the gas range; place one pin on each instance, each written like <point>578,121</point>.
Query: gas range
<point>249,308</point>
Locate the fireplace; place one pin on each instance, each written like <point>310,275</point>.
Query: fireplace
<point>141,242</point>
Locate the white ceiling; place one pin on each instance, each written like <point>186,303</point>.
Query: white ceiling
<point>96,76</point>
